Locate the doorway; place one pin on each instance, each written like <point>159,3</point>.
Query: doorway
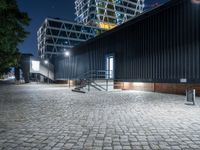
<point>110,66</point>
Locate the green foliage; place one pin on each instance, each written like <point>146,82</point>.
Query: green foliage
<point>12,32</point>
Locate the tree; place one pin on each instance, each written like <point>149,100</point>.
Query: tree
<point>12,32</point>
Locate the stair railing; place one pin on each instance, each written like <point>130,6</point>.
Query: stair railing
<point>90,76</point>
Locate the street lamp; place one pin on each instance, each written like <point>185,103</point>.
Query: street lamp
<point>46,62</point>
<point>67,54</point>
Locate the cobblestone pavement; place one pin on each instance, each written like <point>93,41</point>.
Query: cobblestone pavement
<point>53,117</point>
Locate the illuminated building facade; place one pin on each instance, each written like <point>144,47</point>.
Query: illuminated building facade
<point>55,36</point>
<point>107,14</point>
<point>93,18</point>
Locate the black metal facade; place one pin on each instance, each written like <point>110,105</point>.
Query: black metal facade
<point>162,45</point>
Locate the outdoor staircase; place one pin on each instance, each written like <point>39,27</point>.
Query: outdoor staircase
<point>94,79</point>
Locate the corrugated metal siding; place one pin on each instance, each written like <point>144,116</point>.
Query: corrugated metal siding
<point>160,47</point>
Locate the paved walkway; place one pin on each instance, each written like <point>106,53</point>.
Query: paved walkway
<point>53,117</point>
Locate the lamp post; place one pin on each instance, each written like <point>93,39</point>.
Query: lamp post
<point>67,54</point>
<point>47,63</point>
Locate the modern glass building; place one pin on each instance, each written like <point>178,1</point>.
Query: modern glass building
<point>107,14</point>
<point>56,36</point>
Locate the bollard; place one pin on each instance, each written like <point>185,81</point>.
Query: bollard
<point>190,96</point>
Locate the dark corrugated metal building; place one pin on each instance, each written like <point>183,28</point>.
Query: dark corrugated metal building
<point>160,48</point>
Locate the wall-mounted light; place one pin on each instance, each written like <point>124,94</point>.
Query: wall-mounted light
<point>46,62</point>
<point>138,83</point>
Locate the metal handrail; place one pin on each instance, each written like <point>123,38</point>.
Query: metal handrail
<point>95,73</point>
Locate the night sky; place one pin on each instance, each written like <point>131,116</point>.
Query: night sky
<point>38,10</point>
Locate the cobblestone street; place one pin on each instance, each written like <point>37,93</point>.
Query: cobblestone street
<point>52,117</point>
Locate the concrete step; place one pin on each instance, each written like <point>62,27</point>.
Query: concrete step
<point>79,91</point>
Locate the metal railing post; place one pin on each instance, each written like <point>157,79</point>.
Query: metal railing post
<point>106,84</point>
<point>92,76</point>
<point>88,85</point>
<point>48,73</point>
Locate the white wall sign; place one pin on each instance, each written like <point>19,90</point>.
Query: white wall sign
<point>183,80</point>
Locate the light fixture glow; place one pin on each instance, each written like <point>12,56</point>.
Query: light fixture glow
<point>46,61</point>
<point>138,83</point>
<point>67,53</point>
